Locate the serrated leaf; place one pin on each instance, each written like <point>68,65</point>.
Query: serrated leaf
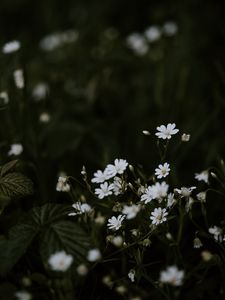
<point>59,233</point>
<point>15,185</point>
<point>7,167</point>
<point>68,236</point>
<point>12,248</point>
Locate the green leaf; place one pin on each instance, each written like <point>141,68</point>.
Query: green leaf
<point>68,236</point>
<point>7,167</point>
<point>12,248</point>
<point>4,201</point>
<point>59,233</point>
<point>15,185</point>
<point>55,232</point>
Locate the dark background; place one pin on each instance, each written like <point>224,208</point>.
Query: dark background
<point>102,95</point>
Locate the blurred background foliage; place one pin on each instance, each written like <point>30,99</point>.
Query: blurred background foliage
<point>101,95</point>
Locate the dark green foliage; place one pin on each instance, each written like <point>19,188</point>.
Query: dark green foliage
<point>50,225</point>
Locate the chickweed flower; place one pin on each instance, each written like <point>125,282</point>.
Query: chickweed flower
<point>117,240</point>
<point>166,132</point>
<point>80,208</point>
<point>131,275</point>
<point>153,34</point>
<point>62,184</point>
<point>131,211</point>
<point>19,78</point>
<point>104,190</point>
<point>119,167</point>
<point>5,97</point>
<point>172,276</point>
<point>159,190</point>
<point>185,191</point>
<point>60,261</point>
<point>40,91</point>
<point>137,43</point>
<point>23,295</point>
<point>11,47</point>
<point>82,270</point>
<point>118,186</point>
<point>99,177</point>
<point>162,170</point>
<point>158,216</point>
<point>115,223</point>
<point>216,232</point>
<point>185,137</point>
<point>44,117</point>
<point>94,255</point>
<point>197,243</point>
<point>15,149</point>
<point>203,176</point>
<point>170,28</point>
<point>201,196</point>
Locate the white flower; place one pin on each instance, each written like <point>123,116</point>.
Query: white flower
<point>94,255</point>
<point>146,132</point>
<point>18,78</point>
<point>185,137</point>
<point>162,170</point>
<point>159,190</point>
<point>23,295</point>
<point>172,276</point>
<point>60,261</point>
<point>166,132</point>
<point>119,167</point>
<point>137,43</point>
<point>44,117</point>
<point>170,200</point>
<point>118,186</point>
<point>15,149</point>
<point>80,208</point>
<point>57,39</point>
<point>185,191</point>
<point>131,275</point>
<point>117,241</point>
<point>40,91</point>
<point>197,243</point>
<point>131,211</point>
<point>147,196</point>
<point>156,191</point>
<point>11,47</point>
<point>115,223</point>
<point>170,28</point>
<point>158,216</point>
<point>82,270</point>
<point>153,34</point>
<point>216,232</point>
<point>203,176</point>
<point>62,184</point>
<point>5,97</point>
<point>99,177</point>
<point>104,190</point>
<point>206,255</point>
<point>201,196</point>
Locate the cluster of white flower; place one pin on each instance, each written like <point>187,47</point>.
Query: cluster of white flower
<point>156,191</point>
<point>5,97</point>
<point>55,40</point>
<point>40,91</point>
<point>139,42</point>
<point>110,172</point>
